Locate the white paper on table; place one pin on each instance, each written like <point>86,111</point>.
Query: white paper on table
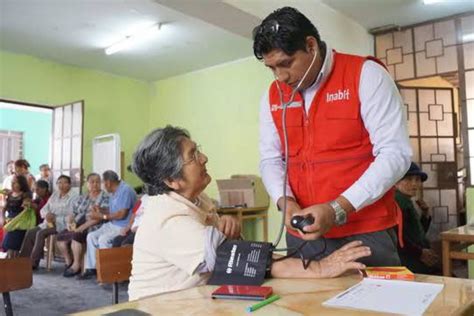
<point>389,296</point>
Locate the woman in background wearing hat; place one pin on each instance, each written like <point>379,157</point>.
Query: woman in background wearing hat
<point>416,254</point>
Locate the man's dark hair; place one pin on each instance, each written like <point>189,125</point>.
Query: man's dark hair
<point>45,165</point>
<point>159,158</point>
<point>42,184</point>
<point>63,176</point>
<point>286,29</point>
<point>110,175</point>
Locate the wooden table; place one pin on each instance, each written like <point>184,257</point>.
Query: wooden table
<point>298,297</point>
<point>454,241</point>
<point>245,213</point>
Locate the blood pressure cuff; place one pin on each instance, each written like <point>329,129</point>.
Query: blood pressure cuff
<point>240,262</point>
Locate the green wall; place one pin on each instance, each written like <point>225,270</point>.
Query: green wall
<point>113,104</point>
<point>470,220</point>
<point>36,128</point>
<point>220,108</point>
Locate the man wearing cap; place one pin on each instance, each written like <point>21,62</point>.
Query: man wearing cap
<point>416,254</point>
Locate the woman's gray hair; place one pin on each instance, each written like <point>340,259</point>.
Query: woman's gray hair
<point>158,158</point>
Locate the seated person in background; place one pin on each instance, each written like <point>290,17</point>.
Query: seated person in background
<point>416,254</point>
<point>175,247</point>
<point>45,175</point>
<point>21,169</point>
<point>17,198</point>
<point>74,237</point>
<point>127,234</point>
<point>41,198</point>
<point>54,213</point>
<point>7,182</point>
<point>122,198</point>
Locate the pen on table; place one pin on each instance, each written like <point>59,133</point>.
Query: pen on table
<point>269,300</point>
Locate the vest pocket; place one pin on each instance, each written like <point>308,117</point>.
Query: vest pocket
<point>294,129</point>
<point>342,111</point>
<point>343,126</point>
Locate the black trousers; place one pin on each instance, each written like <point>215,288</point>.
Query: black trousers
<point>383,245</point>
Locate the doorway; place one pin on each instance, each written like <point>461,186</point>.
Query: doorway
<point>43,134</point>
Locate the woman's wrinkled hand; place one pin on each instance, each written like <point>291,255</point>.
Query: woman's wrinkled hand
<point>343,260</point>
<point>50,218</point>
<point>229,226</point>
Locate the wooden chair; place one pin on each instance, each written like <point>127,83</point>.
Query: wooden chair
<point>15,274</point>
<point>50,244</point>
<point>114,265</point>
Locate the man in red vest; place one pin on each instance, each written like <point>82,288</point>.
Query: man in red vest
<point>347,140</point>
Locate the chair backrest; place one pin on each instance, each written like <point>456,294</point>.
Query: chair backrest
<point>114,264</point>
<point>15,274</point>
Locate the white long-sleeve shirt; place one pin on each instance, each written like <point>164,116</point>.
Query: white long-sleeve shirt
<point>382,113</point>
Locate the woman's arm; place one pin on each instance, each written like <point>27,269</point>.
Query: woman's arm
<point>332,266</point>
<point>86,225</point>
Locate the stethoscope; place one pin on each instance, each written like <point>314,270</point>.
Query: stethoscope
<point>285,141</point>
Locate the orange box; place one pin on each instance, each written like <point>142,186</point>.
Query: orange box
<point>388,273</point>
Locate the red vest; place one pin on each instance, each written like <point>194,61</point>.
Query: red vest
<point>329,148</point>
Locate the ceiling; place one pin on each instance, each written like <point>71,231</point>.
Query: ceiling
<point>194,35</point>
<point>376,13</point>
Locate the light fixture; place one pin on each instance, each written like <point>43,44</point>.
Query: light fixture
<point>384,29</point>
<point>131,39</point>
<point>432,1</point>
<point>445,1</point>
<point>468,37</point>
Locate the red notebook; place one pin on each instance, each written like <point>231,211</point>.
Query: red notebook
<point>243,292</point>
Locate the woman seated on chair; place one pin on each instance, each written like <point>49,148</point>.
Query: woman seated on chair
<point>42,197</point>
<point>175,246</point>
<point>16,199</point>
<point>54,213</point>
<point>79,224</point>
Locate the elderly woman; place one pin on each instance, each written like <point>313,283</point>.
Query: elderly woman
<point>16,198</point>
<point>175,246</point>
<point>79,224</point>
<point>54,213</point>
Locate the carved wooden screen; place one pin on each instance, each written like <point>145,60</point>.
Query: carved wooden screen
<point>431,123</point>
<point>437,48</point>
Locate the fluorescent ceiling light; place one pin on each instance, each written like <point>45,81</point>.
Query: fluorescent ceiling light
<point>433,1</point>
<point>468,37</point>
<point>446,1</point>
<point>132,39</point>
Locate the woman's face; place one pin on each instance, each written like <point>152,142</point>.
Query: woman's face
<point>16,185</point>
<point>41,192</point>
<point>63,185</point>
<point>20,170</point>
<point>93,184</point>
<point>194,173</point>
<point>409,185</point>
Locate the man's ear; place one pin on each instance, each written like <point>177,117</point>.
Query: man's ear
<point>311,45</point>
<point>172,183</point>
